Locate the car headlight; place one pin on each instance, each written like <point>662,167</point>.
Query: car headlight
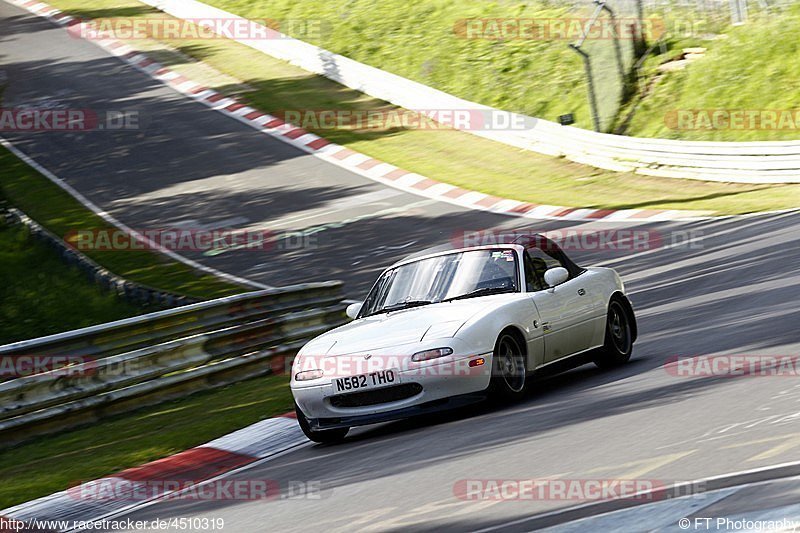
<point>306,375</point>
<point>431,354</point>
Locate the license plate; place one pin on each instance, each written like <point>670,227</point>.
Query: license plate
<point>380,378</point>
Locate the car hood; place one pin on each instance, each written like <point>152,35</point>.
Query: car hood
<point>388,330</point>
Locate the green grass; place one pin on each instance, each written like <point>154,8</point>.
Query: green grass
<point>151,433</point>
<point>449,156</point>
<point>41,295</point>
<point>754,68</point>
<point>418,41</point>
<point>59,212</point>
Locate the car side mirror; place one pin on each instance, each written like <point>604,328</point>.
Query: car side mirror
<point>555,276</point>
<point>353,309</point>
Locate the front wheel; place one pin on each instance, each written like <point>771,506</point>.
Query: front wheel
<point>618,344</point>
<point>509,372</point>
<point>319,435</point>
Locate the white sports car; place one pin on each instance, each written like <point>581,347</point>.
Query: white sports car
<point>442,328</point>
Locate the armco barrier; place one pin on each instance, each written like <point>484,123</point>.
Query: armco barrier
<point>743,162</point>
<point>146,359</point>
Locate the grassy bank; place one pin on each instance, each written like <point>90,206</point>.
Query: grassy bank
<point>41,295</point>
<point>425,41</point>
<point>450,156</point>
<point>752,66</point>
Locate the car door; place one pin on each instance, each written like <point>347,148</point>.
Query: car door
<point>566,311</point>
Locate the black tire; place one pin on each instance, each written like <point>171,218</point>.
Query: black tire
<point>509,369</point>
<point>319,435</point>
<point>618,344</point>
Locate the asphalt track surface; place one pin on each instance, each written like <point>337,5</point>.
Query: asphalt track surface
<point>733,292</point>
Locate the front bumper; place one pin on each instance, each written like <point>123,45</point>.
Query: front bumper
<point>430,388</point>
<point>434,406</point>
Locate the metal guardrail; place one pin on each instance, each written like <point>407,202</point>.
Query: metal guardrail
<point>742,162</point>
<point>116,367</point>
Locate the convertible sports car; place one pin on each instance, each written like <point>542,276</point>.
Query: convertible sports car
<point>441,326</point>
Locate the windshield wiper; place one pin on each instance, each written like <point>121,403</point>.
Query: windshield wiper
<point>405,305</point>
<point>401,305</point>
<point>484,291</point>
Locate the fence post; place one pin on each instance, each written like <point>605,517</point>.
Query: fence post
<point>587,65</point>
<point>738,11</point>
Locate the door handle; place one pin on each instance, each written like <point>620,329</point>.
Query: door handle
<point>581,292</point>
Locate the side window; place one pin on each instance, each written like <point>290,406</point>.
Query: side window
<point>532,281</point>
<point>536,263</point>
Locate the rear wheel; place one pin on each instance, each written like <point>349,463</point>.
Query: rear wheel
<point>319,435</point>
<point>618,345</point>
<point>510,372</point>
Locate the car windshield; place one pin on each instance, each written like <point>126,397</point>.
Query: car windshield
<point>444,277</point>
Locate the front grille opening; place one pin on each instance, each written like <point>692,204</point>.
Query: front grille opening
<point>392,393</point>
